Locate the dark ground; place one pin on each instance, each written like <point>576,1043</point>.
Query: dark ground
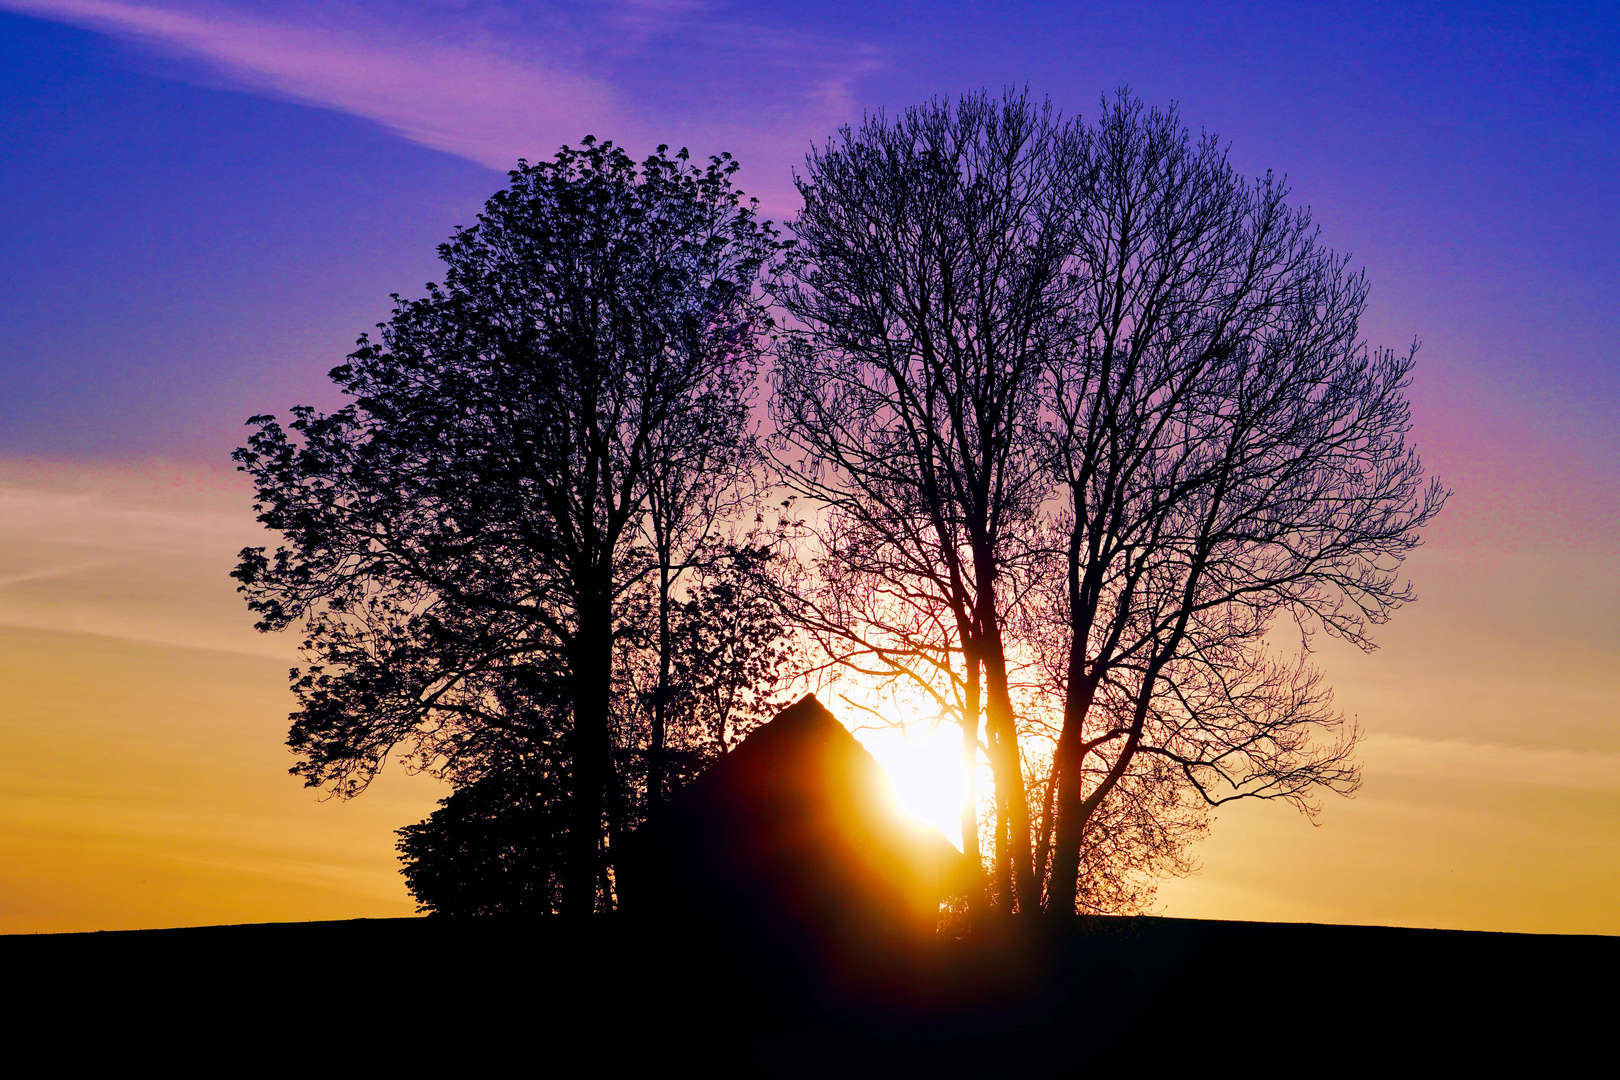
<point>1153,995</point>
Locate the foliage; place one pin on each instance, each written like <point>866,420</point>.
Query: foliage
<point>495,846</point>
<point>464,541</point>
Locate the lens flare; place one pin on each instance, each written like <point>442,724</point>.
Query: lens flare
<point>925,772</point>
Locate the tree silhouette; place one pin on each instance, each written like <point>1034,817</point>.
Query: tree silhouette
<point>1085,417</point>
<point>467,543</point>
<point>495,846</point>
<point>924,290</point>
<point>1228,452</point>
<point>1087,414</point>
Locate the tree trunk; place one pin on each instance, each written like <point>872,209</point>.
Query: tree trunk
<point>970,794</point>
<point>1065,880</point>
<point>1004,885</point>
<point>1009,771</point>
<point>1043,836</point>
<point>1012,833</point>
<point>655,747</point>
<point>592,756</point>
<point>1064,883</point>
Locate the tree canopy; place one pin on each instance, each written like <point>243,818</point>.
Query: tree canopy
<point>1227,450</point>
<point>924,289</point>
<point>1086,413</point>
<point>468,542</point>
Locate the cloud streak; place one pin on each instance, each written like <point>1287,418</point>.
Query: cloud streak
<point>140,553</point>
<point>493,84</point>
<point>461,97</point>
<point>1493,763</point>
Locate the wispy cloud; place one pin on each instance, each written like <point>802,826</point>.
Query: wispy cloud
<point>492,82</point>
<point>1495,763</point>
<point>463,97</point>
<point>142,553</point>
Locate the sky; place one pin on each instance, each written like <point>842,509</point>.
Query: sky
<point>203,204</point>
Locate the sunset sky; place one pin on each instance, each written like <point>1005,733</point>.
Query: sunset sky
<point>202,204</point>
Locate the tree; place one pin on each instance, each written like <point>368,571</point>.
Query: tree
<point>466,540</point>
<point>1088,412</point>
<point>731,657</point>
<point>496,846</point>
<point>1228,452</point>
<point>926,283</point>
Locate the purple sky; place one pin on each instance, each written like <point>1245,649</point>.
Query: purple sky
<point>205,202</point>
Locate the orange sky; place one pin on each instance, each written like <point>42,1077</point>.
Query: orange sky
<point>144,781</point>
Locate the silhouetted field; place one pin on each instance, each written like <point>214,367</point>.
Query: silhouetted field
<point>590,998</point>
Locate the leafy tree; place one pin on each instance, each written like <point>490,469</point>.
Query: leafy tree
<point>465,542</point>
<point>495,846</point>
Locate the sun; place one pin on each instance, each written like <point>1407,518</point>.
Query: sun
<point>925,768</point>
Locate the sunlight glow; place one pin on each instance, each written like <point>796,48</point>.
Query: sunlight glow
<point>925,771</point>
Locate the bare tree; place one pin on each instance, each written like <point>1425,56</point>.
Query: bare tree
<point>923,292</point>
<point>1229,452</point>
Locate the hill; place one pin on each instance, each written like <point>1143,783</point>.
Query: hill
<point>1053,999</point>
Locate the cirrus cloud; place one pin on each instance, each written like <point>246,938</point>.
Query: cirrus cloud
<point>463,97</point>
<point>493,82</point>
